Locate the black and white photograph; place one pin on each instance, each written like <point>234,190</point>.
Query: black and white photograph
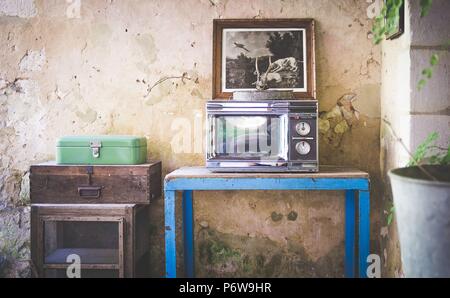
<point>264,54</point>
<point>264,58</point>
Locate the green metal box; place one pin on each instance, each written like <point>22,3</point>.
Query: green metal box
<point>101,150</point>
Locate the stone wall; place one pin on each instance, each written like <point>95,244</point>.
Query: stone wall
<point>145,68</point>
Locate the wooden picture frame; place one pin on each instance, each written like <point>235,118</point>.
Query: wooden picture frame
<point>246,45</point>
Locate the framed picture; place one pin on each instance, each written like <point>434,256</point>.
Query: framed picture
<point>399,23</point>
<point>273,54</point>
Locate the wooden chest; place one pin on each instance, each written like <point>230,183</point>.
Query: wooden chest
<point>94,216</point>
<point>99,184</point>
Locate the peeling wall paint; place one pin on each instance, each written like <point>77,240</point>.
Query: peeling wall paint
<point>32,61</point>
<point>337,121</point>
<point>145,68</point>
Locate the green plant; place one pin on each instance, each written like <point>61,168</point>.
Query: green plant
<point>428,152</point>
<point>425,6</point>
<point>386,23</point>
<point>390,215</point>
<point>427,73</point>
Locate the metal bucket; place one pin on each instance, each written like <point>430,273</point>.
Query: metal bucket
<point>422,208</point>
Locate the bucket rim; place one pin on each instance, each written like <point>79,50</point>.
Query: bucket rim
<point>394,173</point>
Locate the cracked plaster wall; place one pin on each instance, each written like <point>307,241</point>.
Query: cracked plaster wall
<point>145,68</point>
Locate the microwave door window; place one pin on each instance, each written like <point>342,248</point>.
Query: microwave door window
<point>249,137</point>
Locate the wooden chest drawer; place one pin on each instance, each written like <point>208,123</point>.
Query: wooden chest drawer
<point>83,184</point>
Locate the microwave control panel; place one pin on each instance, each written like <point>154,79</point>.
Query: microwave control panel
<point>303,137</point>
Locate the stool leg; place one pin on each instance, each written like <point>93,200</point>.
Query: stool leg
<point>188,233</point>
<point>364,231</point>
<point>350,233</point>
<point>170,233</point>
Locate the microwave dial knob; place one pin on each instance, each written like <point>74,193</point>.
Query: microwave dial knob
<point>303,147</point>
<point>303,128</point>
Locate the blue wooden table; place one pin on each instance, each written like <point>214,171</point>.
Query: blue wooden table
<point>355,183</point>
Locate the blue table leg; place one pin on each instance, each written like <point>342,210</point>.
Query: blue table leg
<point>188,233</point>
<point>350,233</point>
<point>364,231</point>
<point>170,232</point>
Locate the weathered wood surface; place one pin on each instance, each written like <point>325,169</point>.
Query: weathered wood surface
<point>56,184</point>
<point>51,167</point>
<point>324,172</point>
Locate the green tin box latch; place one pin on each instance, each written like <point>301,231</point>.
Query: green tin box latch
<point>101,150</point>
<point>95,146</point>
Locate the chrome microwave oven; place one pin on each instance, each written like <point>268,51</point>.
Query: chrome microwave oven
<point>262,136</point>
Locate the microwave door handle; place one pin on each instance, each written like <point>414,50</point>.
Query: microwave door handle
<point>280,105</point>
<point>214,105</point>
<point>286,138</point>
<point>246,113</point>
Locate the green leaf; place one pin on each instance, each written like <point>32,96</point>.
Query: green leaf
<point>446,158</point>
<point>425,6</point>
<point>423,149</point>
<point>435,159</point>
<point>392,15</point>
<point>390,218</point>
<point>434,60</point>
<point>427,72</point>
<point>421,84</point>
<point>386,21</point>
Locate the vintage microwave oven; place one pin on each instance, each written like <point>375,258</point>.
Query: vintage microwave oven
<point>262,136</point>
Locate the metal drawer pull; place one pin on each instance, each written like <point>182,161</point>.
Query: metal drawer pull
<point>89,191</point>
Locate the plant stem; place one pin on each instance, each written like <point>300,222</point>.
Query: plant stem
<point>398,139</point>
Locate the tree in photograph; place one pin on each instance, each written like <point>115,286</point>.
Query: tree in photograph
<point>246,63</point>
<point>288,44</point>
